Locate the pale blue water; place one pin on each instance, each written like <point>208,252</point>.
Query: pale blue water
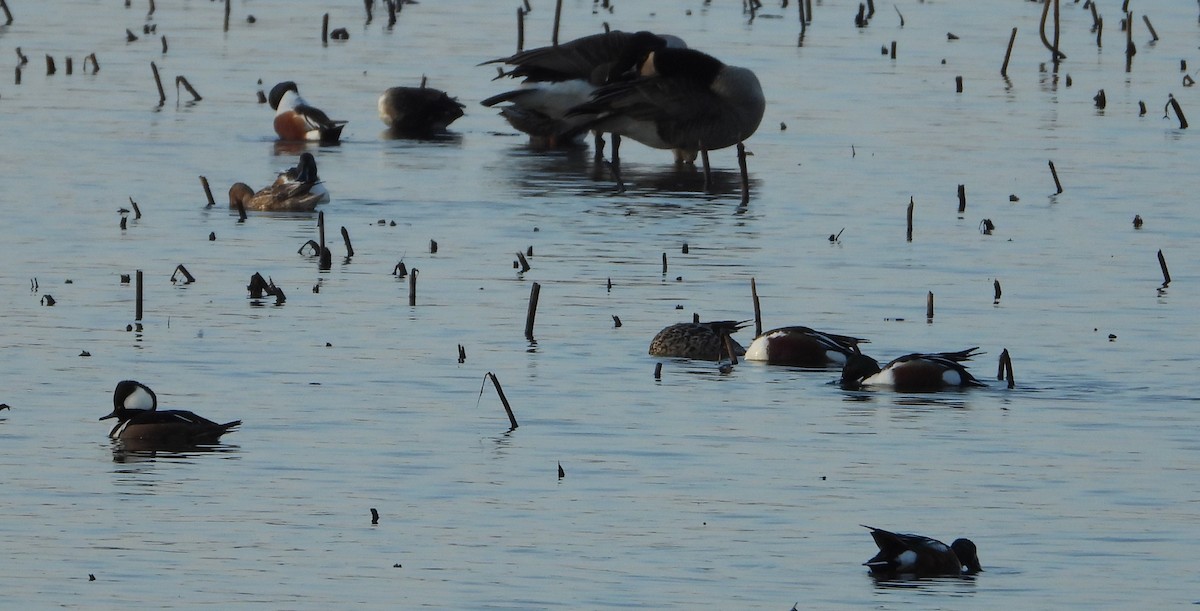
<point>702,489</point>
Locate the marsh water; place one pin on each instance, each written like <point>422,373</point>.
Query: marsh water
<point>702,488</point>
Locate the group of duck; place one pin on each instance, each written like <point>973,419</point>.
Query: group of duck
<point>804,347</point>
<point>650,88</point>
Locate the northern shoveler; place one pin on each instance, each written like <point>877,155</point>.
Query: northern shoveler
<point>296,120</point>
<point>918,372</point>
<point>683,100</point>
<point>418,111</point>
<point>697,340</point>
<point>917,556</point>
<point>135,407</point>
<point>559,78</point>
<point>803,347</point>
<point>298,189</point>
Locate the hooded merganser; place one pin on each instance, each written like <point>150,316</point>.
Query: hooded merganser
<point>135,407</point>
<point>918,372</point>
<point>918,556</point>
<point>296,121</point>
<point>803,347</point>
<point>697,340</point>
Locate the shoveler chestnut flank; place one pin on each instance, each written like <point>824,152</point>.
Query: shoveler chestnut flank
<point>918,372</point>
<point>803,347</point>
<point>697,340</point>
<point>297,121</point>
<point>298,189</point>
<point>902,555</point>
<point>135,407</point>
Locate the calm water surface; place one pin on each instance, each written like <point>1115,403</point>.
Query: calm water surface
<point>698,490</point>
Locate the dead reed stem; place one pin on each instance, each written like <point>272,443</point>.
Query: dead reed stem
<point>1162,262</point>
<point>182,80</point>
<point>207,192</point>
<point>1008,54</point>
<point>137,308</point>
<point>557,21</point>
<point>1054,173</point>
<point>741,152</point>
<point>325,29</point>
<point>929,305</point>
<point>162,95</point>
<point>503,399</point>
<point>531,312</point>
<point>346,239</point>
<point>911,205</point>
<point>412,287</point>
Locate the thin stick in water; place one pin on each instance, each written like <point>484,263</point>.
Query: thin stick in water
<point>664,261</point>
<point>207,192</point>
<point>346,239</point>
<point>996,291</point>
<point>412,287</point>
<point>1174,105</point>
<point>1008,54</point>
<point>182,80</point>
<point>658,371</point>
<point>962,199</point>
<point>524,262</point>
<point>1006,369</point>
<point>1162,262</point>
<point>503,399</point>
<point>227,9</point>
<point>162,95</point>
<point>911,204</point>
<point>137,308</point>
<point>137,212</point>
<point>325,29</point>
<point>929,306</point>
<point>557,20</point>
<point>1149,26</point>
<point>741,152</point>
<point>1054,173</point>
<point>8,18</point>
<point>50,68</point>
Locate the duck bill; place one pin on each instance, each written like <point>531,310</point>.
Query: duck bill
<point>112,415</point>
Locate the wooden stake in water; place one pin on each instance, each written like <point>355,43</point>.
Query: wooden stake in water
<point>50,68</point>
<point>137,308</point>
<point>531,313</point>
<point>325,29</point>
<point>227,8</point>
<point>346,239</point>
<point>520,29</point>
<point>911,204</point>
<point>962,199</point>
<point>929,306</point>
<point>1162,262</point>
<point>207,192</point>
<point>996,290</point>
<point>162,95</point>
<point>1174,105</point>
<point>664,267</point>
<point>412,287</point>
<point>757,308</point>
<point>958,84</point>
<point>658,371</point>
<point>524,262</point>
<point>1150,26</point>
<point>1008,54</point>
<point>325,258</point>
<point>374,516</point>
<point>1054,173</point>
<point>503,399</point>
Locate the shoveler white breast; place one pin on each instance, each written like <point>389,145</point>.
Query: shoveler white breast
<point>917,372</point>
<point>803,347</point>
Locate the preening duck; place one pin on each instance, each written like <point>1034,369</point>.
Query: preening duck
<point>683,100</point>
<point>296,120</point>
<point>418,111</point>
<point>298,189</point>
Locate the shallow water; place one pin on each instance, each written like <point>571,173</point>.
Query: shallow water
<point>737,490</point>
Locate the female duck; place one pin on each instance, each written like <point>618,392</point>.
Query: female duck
<point>418,111</point>
<point>684,100</point>
<point>803,347</point>
<point>697,340</point>
<point>297,121</point>
<point>918,556</point>
<point>298,189</point>
<point>135,407</point>
<point>918,372</point>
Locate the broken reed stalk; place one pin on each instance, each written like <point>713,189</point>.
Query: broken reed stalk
<point>8,18</point>
<point>325,258</point>
<point>658,371</point>
<point>1149,26</point>
<point>503,399</point>
<point>929,306</point>
<point>162,95</point>
<point>996,291</point>
<point>182,80</point>
<point>1130,48</point>
<point>433,247</point>
<point>557,20</point>
<point>412,287</point>
<point>1005,369</point>
<point>1162,262</point>
<point>151,9</point>
<point>524,262</point>
<point>207,192</point>
<point>911,204</point>
<point>757,308</point>
<point>1057,30</point>
<point>137,308</point>
<point>181,270</point>
<point>531,313</point>
<point>70,65</point>
<point>1008,54</point>
<point>962,198</point>
<point>17,79</point>
<point>892,54</point>
<point>50,68</point>
<point>164,44</point>
<point>325,29</point>
<point>1054,173</point>
<point>741,152</point>
<point>664,268</point>
<point>227,8</point>
<point>346,239</point>
<point>137,212</point>
<point>958,84</point>
<point>1174,104</point>
<point>1057,55</point>
<point>374,516</point>
<point>462,354</point>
